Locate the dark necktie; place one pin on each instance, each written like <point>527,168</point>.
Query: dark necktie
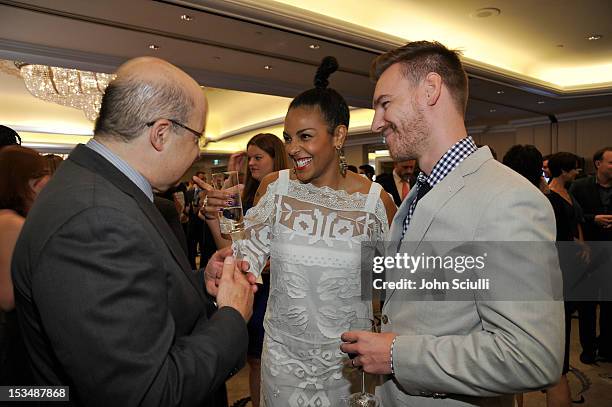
<point>424,188</point>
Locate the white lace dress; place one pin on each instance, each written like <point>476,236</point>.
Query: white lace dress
<point>312,236</point>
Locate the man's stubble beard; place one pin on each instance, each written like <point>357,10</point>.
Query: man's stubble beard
<point>412,138</point>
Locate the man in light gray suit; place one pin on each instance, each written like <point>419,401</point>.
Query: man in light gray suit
<point>477,351</point>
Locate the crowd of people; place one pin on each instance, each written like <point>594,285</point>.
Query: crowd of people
<point>117,281</point>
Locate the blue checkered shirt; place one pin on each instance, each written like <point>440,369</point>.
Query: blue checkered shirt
<point>451,159</point>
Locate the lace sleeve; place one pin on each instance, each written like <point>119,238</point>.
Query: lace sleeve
<point>381,226</point>
<point>258,223</point>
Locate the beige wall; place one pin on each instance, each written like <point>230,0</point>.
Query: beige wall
<point>354,155</point>
<point>582,137</point>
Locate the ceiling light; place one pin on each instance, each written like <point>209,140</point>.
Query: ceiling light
<point>500,92</point>
<point>267,67</point>
<point>594,37</point>
<point>67,87</point>
<point>486,12</point>
<point>541,102</point>
<point>186,17</point>
<point>154,47</point>
<point>492,110</point>
<point>314,46</point>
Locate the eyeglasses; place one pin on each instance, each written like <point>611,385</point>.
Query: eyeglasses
<point>197,134</point>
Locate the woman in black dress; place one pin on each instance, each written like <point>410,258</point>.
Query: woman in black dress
<point>527,161</point>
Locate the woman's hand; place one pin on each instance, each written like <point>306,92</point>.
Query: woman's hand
<point>235,161</point>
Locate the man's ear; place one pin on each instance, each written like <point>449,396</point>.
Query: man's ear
<point>340,134</point>
<point>159,134</point>
<point>432,88</point>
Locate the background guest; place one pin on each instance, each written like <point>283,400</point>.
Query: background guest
<point>367,170</point>
<point>53,162</point>
<point>265,154</point>
<point>24,174</point>
<point>527,161</point>
<point>594,194</point>
<point>8,136</point>
<point>402,179</point>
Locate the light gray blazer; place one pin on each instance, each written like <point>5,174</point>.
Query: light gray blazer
<point>477,352</point>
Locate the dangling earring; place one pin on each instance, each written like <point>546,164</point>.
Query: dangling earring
<point>342,161</point>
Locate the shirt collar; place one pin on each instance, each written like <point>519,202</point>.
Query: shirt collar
<point>449,161</point>
<point>126,169</point>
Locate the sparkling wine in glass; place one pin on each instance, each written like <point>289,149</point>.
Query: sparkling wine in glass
<point>362,398</point>
<point>231,218</point>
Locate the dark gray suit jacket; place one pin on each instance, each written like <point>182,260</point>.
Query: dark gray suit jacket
<point>107,301</point>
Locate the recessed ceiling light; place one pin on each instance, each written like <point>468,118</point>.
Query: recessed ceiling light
<point>186,17</point>
<point>314,46</point>
<point>541,102</point>
<point>486,12</point>
<point>500,92</point>
<point>267,67</point>
<point>154,47</point>
<point>492,110</point>
<point>594,37</point>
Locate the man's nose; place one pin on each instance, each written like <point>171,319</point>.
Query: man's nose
<point>378,122</point>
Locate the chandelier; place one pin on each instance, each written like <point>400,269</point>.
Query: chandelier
<point>68,87</point>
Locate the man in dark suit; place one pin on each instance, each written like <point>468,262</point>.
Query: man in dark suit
<point>106,299</point>
<point>399,182</point>
<point>195,236</point>
<point>594,194</point>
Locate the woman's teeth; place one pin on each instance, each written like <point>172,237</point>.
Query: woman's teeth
<point>302,162</point>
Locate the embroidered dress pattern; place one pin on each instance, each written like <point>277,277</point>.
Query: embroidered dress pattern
<point>313,238</point>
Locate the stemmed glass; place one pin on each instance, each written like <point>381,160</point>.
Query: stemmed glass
<point>231,218</point>
<point>363,398</point>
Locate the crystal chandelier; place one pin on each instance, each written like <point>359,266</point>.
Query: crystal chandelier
<point>68,87</point>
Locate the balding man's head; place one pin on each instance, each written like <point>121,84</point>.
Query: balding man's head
<point>146,89</point>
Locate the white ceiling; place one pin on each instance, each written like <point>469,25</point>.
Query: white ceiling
<point>228,43</point>
<point>543,41</point>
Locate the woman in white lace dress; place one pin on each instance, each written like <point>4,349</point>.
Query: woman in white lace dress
<point>310,222</point>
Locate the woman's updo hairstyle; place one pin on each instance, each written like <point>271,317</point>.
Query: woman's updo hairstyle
<point>331,104</point>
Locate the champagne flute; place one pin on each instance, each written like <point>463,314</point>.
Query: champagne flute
<point>363,398</point>
<point>231,218</point>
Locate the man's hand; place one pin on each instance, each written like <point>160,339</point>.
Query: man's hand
<point>373,350</point>
<point>235,290</point>
<point>214,271</point>
<point>605,221</point>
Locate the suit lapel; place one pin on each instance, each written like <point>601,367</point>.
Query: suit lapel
<point>86,157</point>
<point>428,208</point>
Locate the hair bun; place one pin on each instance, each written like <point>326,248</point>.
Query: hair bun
<point>328,66</point>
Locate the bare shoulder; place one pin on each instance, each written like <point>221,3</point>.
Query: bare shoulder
<point>263,186</point>
<point>357,183</point>
<point>10,220</point>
